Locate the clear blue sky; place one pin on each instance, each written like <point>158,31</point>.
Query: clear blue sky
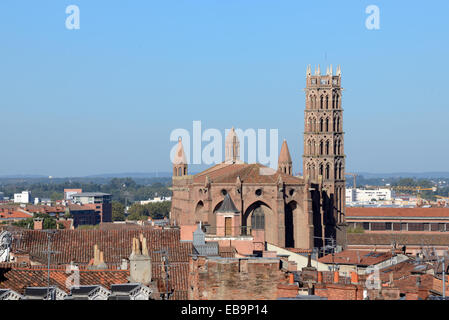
<point>104,98</point>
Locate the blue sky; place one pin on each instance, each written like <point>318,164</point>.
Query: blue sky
<point>104,98</point>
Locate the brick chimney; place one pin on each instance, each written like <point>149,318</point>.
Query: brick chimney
<point>98,261</point>
<point>336,277</point>
<point>38,222</point>
<point>140,262</point>
<point>291,278</point>
<point>354,277</point>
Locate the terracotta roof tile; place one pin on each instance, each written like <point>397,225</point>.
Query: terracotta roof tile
<point>354,257</point>
<point>248,173</point>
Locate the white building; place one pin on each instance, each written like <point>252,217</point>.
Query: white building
<point>156,199</point>
<point>23,197</point>
<point>368,195</point>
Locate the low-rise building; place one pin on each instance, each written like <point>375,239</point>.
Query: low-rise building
<point>399,220</point>
<point>348,261</point>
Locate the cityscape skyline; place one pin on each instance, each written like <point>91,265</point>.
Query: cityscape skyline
<point>105,98</point>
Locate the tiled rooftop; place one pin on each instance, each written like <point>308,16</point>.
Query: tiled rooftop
<point>78,245</point>
<point>354,257</point>
<point>248,173</point>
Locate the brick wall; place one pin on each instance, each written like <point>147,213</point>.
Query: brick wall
<point>232,279</point>
<point>339,291</point>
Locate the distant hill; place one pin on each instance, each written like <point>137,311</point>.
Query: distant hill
<point>132,175</point>
<point>418,175</point>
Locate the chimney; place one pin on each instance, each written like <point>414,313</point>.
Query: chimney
<point>37,223</point>
<point>291,278</point>
<point>98,263</point>
<point>354,277</point>
<point>140,262</point>
<point>336,277</point>
<point>320,277</point>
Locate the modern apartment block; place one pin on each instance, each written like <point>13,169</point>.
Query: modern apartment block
<point>99,201</point>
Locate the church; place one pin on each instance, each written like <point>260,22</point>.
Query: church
<point>247,205</point>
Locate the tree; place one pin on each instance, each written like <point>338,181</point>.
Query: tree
<point>118,211</point>
<point>25,223</point>
<point>56,196</point>
<point>49,223</point>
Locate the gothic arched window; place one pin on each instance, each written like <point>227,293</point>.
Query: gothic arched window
<point>258,219</point>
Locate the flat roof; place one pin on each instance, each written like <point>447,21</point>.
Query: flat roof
<point>90,194</point>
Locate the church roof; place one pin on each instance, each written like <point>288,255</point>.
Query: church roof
<point>227,205</point>
<point>284,156</point>
<point>248,173</point>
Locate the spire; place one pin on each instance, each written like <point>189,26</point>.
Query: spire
<point>180,156</point>
<point>285,160</point>
<point>338,70</point>
<point>284,156</point>
<point>180,161</point>
<point>232,147</point>
<point>309,70</point>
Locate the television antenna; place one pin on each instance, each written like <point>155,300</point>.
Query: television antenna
<point>165,268</point>
<point>49,252</point>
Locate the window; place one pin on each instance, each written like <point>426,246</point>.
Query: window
<point>323,81</point>
<point>416,227</point>
<point>258,219</point>
<point>387,225</point>
<point>313,81</point>
<point>434,227</point>
<point>378,226</point>
<point>396,226</point>
<point>366,225</point>
<point>404,226</point>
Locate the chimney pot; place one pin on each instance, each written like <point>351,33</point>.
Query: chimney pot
<point>291,278</point>
<point>336,277</point>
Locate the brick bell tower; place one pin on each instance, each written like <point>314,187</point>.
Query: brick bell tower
<point>324,158</point>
